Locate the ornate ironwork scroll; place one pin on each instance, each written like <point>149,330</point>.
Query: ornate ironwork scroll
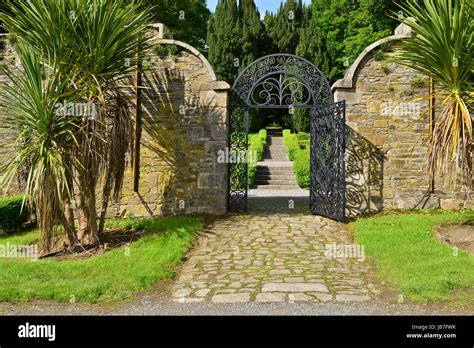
<point>284,81</point>
<point>327,187</point>
<point>238,177</point>
<point>281,80</point>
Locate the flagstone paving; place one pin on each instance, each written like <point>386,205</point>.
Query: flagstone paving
<point>273,258</point>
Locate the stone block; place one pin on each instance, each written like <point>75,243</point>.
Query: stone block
<point>451,204</point>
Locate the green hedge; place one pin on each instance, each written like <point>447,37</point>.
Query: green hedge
<point>12,216</point>
<point>257,143</point>
<point>291,142</point>
<point>301,165</point>
<point>299,156</point>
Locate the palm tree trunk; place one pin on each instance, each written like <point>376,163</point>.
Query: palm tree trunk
<point>68,223</point>
<point>105,202</point>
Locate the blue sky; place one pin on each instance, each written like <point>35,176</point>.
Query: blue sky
<point>263,5</point>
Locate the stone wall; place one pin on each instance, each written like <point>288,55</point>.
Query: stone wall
<point>7,141</point>
<point>184,126</point>
<point>184,118</point>
<point>387,166</point>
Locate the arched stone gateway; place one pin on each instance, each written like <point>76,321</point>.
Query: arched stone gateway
<point>285,81</point>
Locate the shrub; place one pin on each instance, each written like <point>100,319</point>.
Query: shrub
<point>291,142</point>
<point>166,51</point>
<point>301,165</point>
<point>257,119</point>
<point>301,120</point>
<point>299,156</point>
<point>417,82</point>
<point>257,143</point>
<point>12,216</point>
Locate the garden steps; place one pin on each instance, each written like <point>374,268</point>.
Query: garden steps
<point>277,187</point>
<point>275,171</point>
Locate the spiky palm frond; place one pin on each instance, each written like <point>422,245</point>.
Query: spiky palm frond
<point>442,48</point>
<point>43,137</point>
<point>93,45</point>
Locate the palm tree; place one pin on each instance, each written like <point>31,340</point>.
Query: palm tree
<point>442,49</point>
<point>91,48</point>
<point>43,143</point>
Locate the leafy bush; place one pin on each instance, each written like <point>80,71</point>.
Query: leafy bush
<point>301,120</point>
<point>301,165</point>
<point>257,120</point>
<point>12,216</point>
<point>299,156</point>
<point>166,51</point>
<point>303,136</point>
<point>257,143</point>
<point>291,142</point>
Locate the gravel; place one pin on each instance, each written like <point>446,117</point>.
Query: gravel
<point>149,305</point>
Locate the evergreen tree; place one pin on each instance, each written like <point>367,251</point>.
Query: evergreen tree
<point>348,26</point>
<point>284,28</point>
<point>312,44</point>
<point>253,32</point>
<point>225,40</point>
<point>186,19</point>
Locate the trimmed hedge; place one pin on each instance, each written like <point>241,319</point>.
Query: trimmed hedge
<point>12,216</point>
<point>299,156</point>
<point>301,165</point>
<point>257,143</point>
<point>291,142</point>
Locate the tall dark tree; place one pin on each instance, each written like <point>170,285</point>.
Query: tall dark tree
<point>253,33</point>
<point>186,19</point>
<point>312,44</point>
<point>224,40</point>
<point>348,26</point>
<point>284,27</point>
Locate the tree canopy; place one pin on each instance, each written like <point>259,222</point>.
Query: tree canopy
<point>186,19</point>
<point>330,33</point>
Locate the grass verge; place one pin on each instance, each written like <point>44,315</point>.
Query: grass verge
<point>115,275</point>
<point>408,256</point>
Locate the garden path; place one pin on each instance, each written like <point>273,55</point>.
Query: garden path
<point>276,257</point>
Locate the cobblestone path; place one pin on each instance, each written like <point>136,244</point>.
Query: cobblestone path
<point>273,258</point>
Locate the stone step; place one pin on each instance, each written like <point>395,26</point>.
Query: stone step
<point>274,182</point>
<point>275,169</point>
<point>261,176</point>
<point>275,157</point>
<point>277,187</point>
<point>275,148</point>
<point>274,132</point>
<point>275,175</point>
<point>275,151</point>
<point>275,164</point>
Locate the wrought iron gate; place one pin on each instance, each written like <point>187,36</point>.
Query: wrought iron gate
<point>285,81</point>
<point>327,177</point>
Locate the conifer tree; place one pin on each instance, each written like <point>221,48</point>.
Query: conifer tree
<point>253,33</point>
<point>225,39</point>
<point>284,28</point>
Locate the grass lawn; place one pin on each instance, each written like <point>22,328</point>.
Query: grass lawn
<point>115,275</point>
<point>407,255</point>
